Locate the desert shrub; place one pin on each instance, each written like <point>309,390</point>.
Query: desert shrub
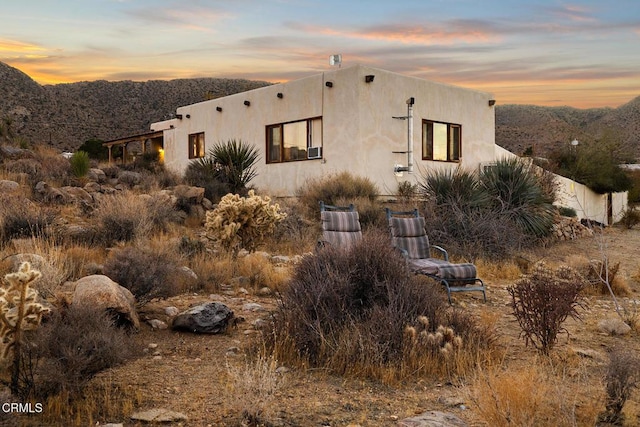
<point>594,164</point>
<point>242,222</point>
<point>122,217</point>
<point>542,301</point>
<point>95,150</point>
<point>347,309</point>
<point>203,173</point>
<point>80,164</point>
<point>516,193</point>
<point>343,186</point>
<point>73,346</point>
<point>622,377</point>
<point>295,233</point>
<point>147,272</point>
<point>630,218</point>
<point>407,191</point>
<point>568,212</point>
<point>21,218</point>
<point>505,208</point>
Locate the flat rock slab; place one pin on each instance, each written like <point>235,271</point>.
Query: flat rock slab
<point>158,415</point>
<point>433,419</point>
<point>207,318</point>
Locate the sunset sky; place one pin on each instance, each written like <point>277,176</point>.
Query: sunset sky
<point>546,52</point>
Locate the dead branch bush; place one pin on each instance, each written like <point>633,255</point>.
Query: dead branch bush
<point>122,218</point>
<point>542,301</point>
<point>622,377</point>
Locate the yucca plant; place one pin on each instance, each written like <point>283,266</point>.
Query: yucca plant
<point>235,161</point>
<point>456,188</point>
<point>516,192</point>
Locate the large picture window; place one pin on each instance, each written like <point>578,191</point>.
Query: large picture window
<point>441,141</point>
<point>196,145</point>
<point>289,142</point>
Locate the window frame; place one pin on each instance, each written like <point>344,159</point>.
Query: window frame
<point>451,149</point>
<point>196,145</point>
<point>311,142</point>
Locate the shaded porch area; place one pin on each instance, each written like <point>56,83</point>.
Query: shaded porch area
<point>132,146</point>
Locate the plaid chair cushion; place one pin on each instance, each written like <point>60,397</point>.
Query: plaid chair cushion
<point>340,229</point>
<point>340,221</point>
<point>443,269</point>
<point>409,234</point>
<point>407,227</point>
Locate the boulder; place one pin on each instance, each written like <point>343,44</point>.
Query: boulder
<point>49,193</point>
<point>77,194</point>
<point>100,291</point>
<point>97,175</point>
<point>129,178</point>
<point>208,318</point>
<point>7,186</point>
<point>158,415</point>
<point>92,187</point>
<point>192,195</point>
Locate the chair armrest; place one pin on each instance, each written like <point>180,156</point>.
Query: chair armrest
<point>403,252</point>
<point>442,250</point>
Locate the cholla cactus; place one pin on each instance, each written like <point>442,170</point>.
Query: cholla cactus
<point>19,311</point>
<point>242,222</point>
<point>443,341</point>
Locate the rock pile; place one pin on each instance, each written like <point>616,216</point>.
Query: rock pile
<point>570,229</point>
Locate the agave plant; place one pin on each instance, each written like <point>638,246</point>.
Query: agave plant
<point>516,191</point>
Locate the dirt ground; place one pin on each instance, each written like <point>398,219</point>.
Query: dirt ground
<point>205,377</point>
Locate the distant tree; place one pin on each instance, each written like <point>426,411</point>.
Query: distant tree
<point>594,164</point>
<point>94,148</point>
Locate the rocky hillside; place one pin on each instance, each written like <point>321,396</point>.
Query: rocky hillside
<point>66,115</point>
<point>543,128</point>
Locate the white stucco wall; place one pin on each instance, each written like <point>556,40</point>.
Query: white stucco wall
<point>359,133</point>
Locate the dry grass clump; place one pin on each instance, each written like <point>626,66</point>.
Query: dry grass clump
<point>20,218</point>
<point>123,217</point>
<point>490,269</point>
<point>147,272</point>
<point>52,260</point>
<point>622,378</point>
<point>347,310</point>
<point>332,189</point>
<point>295,234</point>
<point>260,385</point>
<point>533,395</point>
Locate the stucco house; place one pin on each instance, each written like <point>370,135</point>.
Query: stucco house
<point>371,122</point>
<point>368,121</point>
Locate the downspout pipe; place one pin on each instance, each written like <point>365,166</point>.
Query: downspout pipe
<point>409,118</point>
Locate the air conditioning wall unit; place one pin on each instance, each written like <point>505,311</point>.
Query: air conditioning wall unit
<point>314,153</point>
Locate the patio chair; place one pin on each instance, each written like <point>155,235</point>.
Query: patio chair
<point>409,236</point>
<point>340,226</point>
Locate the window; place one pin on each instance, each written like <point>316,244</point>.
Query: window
<point>289,142</point>
<point>196,145</point>
<point>441,141</point>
